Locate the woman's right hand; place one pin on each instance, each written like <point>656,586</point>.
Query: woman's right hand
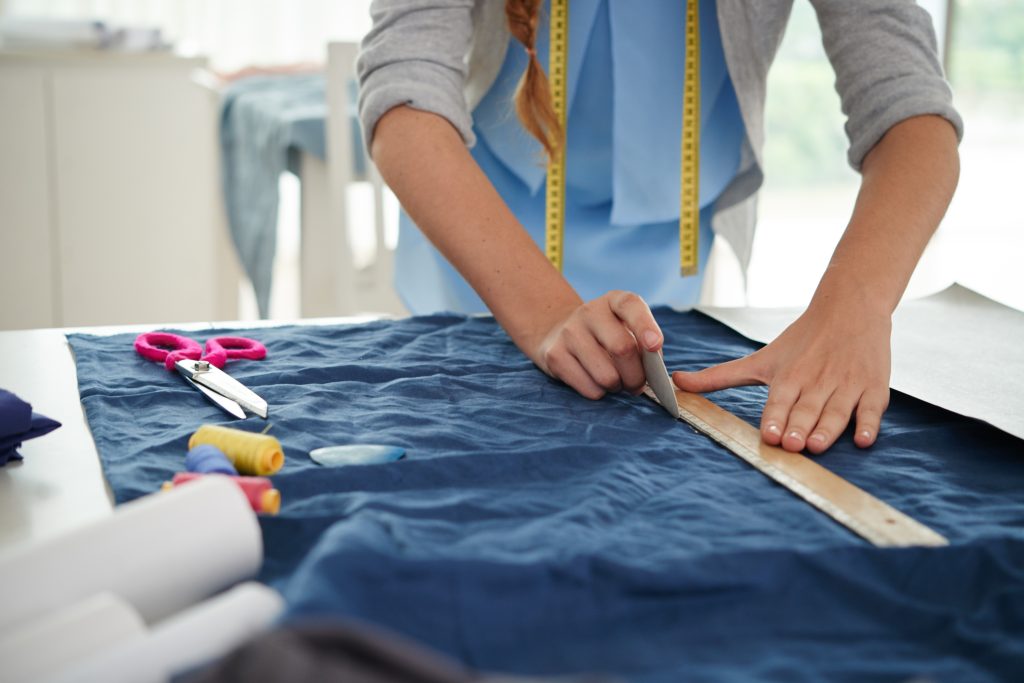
<point>595,347</point>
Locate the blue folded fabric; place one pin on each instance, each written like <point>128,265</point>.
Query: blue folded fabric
<point>533,531</point>
<point>19,424</point>
<point>262,117</point>
<point>264,120</point>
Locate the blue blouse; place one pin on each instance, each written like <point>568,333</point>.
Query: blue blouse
<point>625,65</point>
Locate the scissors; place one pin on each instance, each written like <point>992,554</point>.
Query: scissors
<point>201,368</point>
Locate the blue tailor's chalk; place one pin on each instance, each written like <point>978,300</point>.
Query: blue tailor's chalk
<point>356,454</point>
<point>209,459</point>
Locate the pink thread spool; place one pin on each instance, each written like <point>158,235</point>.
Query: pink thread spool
<point>263,497</point>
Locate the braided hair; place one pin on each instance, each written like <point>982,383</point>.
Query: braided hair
<point>533,96</point>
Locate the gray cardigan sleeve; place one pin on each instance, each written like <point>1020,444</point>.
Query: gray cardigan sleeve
<point>415,54</point>
<point>887,67</point>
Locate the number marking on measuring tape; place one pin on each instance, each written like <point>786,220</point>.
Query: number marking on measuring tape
<point>554,214</point>
<point>689,172</point>
<point>689,210</point>
<point>853,507</point>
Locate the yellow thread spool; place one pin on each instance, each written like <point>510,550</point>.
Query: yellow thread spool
<point>253,454</point>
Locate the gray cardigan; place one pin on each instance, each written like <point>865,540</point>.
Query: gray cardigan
<point>442,56</point>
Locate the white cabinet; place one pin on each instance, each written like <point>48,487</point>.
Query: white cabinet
<point>110,203</point>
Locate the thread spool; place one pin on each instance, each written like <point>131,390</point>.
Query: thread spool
<point>253,454</point>
<point>262,496</point>
<point>208,459</point>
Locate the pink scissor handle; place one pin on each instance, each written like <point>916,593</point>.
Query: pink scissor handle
<point>167,347</point>
<point>170,348</point>
<point>220,349</point>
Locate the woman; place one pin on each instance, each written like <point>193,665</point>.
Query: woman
<point>437,80</point>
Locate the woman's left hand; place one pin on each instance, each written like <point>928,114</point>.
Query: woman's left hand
<point>824,368</point>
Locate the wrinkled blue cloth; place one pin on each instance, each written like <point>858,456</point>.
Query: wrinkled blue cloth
<point>533,531</point>
<point>264,121</point>
<point>19,424</point>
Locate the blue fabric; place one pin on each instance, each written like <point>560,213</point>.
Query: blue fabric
<point>265,122</point>
<point>625,82</point>
<point>18,423</point>
<point>531,530</point>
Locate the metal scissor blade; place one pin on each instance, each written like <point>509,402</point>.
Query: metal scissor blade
<point>221,401</point>
<point>224,384</point>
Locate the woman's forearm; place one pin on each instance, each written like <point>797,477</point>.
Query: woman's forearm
<point>424,160</point>
<point>593,347</point>
<point>908,181</point>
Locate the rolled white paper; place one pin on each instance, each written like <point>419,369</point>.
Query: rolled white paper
<point>190,639</point>
<point>45,646</point>
<point>161,553</point>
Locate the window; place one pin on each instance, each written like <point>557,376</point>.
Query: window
<point>232,33</point>
<point>986,69</point>
<point>809,190</point>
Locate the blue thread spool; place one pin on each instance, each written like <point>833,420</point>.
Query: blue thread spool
<point>209,459</point>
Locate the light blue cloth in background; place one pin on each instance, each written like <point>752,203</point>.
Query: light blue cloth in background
<point>265,121</point>
<point>625,83</point>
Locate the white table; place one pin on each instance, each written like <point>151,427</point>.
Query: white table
<point>59,484</point>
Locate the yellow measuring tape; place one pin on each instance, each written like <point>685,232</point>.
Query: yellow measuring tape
<point>689,173</point>
<point>689,210</point>
<point>558,58</point>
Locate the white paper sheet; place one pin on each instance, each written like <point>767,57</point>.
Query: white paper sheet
<point>161,553</point>
<point>955,349</point>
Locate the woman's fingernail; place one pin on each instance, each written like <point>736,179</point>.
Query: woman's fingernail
<point>795,435</point>
<point>773,428</point>
<point>650,339</point>
<point>817,438</point>
<point>865,434</point>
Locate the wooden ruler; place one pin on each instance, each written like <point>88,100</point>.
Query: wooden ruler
<point>853,507</point>
<point>689,210</point>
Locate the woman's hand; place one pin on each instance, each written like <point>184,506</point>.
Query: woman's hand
<point>595,347</point>
<point>824,368</point>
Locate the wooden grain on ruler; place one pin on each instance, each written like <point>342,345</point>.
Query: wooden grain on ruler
<point>858,510</point>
